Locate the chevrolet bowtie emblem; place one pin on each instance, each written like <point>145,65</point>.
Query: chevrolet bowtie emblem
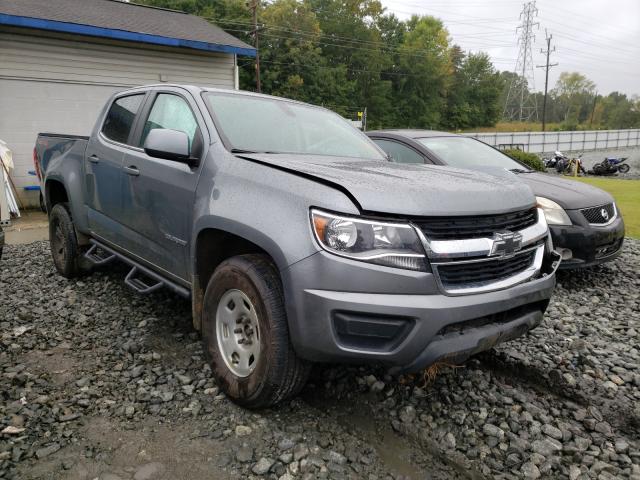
<point>505,244</point>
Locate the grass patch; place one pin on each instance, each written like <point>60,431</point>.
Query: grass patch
<point>627,195</point>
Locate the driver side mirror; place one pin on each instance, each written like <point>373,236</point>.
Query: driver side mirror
<point>168,144</point>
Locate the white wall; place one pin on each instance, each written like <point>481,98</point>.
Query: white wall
<point>571,141</point>
<point>59,84</point>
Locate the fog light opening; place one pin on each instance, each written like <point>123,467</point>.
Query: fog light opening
<point>566,253</point>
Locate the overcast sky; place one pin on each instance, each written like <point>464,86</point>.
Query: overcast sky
<point>599,38</point>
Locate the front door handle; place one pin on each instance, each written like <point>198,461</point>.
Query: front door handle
<point>132,170</point>
<point>94,159</point>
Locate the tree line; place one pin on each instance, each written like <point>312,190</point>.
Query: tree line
<point>352,54</point>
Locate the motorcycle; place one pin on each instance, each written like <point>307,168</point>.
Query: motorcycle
<point>553,161</point>
<point>571,166</point>
<point>611,166</point>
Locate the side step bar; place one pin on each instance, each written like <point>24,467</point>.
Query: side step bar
<point>140,278</point>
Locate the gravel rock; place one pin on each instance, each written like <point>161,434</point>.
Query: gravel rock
<point>262,466</point>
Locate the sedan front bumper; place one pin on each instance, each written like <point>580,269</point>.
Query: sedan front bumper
<point>589,244</point>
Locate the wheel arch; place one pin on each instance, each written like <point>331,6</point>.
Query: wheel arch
<point>213,246</point>
<point>55,192</point>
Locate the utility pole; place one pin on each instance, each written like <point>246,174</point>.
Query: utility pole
<point>546,77</point>
<point>520,103</point>
<point>256,42</point>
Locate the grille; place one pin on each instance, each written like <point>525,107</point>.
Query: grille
<point>595,215</point>
<point>455,228</point>
<point>466,274</point>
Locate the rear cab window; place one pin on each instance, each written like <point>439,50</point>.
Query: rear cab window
<point>120,118</point>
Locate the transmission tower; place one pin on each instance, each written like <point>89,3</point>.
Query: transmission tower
<point>521,103</point>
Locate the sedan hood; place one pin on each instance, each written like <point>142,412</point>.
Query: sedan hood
<point>569,194</point>
<point>410,190</point>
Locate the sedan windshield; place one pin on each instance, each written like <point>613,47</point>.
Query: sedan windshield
<point>463,152</point>
<point>269,125</point>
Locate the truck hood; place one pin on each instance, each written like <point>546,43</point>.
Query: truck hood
<point>569,194</point>
<point>411,190</point>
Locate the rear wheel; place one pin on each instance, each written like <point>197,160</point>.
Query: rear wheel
<point>245,333</point>
<point>63,241</point>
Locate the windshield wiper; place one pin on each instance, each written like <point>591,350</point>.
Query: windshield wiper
<point>242,150</point>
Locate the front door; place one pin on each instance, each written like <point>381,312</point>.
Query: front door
<point>103,169</point>
<point>158,195</point>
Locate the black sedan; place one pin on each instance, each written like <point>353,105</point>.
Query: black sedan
<point>586,226</point>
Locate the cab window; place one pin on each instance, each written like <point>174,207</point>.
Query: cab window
<point>119,120</point>
<point>398,152</point>
<point>171,112</point>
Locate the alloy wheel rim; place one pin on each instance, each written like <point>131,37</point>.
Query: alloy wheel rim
<point>238,332</point>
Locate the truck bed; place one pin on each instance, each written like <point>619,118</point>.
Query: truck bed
<point>50,146</point>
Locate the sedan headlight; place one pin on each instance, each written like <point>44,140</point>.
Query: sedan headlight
<point>553,212</point>
<point>383,243</point>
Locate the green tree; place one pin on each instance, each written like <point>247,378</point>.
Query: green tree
<point>425,65</point>
<point>473,100</point>
<point>573,95</point>
<point>292,62</point>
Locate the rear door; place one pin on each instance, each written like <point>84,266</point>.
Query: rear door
<point>103,169</point>
<point>159,194</point>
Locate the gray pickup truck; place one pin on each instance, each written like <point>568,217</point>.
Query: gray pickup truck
<point>295,239</point>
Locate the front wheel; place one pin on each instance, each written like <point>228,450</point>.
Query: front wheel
<point>623,168</point>
<point>246,336</point>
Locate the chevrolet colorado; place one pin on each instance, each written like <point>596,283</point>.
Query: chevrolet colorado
<point>293,236</point>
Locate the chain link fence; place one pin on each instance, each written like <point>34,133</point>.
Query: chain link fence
<point>573,141</point>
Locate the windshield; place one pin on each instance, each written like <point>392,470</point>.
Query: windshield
<point>466,152</point>
<point>259,124</point>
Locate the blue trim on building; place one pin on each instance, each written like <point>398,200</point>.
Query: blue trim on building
<point>90,30</point>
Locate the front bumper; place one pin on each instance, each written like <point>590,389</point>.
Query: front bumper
<point>341,310</point>
<point>589,244</point>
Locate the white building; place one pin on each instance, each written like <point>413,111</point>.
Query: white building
<point>61,59</point>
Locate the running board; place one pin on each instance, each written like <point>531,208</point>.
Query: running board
<point>96,255</point>
<point>141,279</point>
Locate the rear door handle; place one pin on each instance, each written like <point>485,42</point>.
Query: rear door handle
<point>94,159</point>
<point>132,170</point>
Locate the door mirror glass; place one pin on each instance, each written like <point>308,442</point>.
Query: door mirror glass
<point>167,144</point>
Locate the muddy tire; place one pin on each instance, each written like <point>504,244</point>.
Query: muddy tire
<point>63,241</point>
<point>245,333</point>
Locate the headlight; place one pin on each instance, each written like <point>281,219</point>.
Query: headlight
<point>383,243</point>
<point>553,212</point>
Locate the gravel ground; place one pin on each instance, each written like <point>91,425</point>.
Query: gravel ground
<point>98,383</point>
